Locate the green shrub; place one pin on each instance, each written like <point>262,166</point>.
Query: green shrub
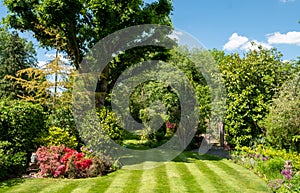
<point>110,124</point>
<point>57,136</point>
<point>62,117</point>
<point>270,152</point>
<point>271,169</point>
<point>282,123</point>
<point>251,81</point>
<point>11,162</point>
<point>101,139</point>
<point>20,124</point>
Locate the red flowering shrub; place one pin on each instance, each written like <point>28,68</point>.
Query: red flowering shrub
<point>77,165</point>
<point>58,161</point>
<point>170,125</point>
<point>49,161</point>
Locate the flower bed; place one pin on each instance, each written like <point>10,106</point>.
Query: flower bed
<point>60,161</point>
<point>271,165</point>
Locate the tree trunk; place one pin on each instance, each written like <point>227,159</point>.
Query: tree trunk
<point>101,91</point>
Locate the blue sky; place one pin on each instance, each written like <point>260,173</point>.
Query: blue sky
<point>272,23</point>
<point>231,24</point>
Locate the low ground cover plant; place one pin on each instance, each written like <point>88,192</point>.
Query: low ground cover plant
<point>272,165</point>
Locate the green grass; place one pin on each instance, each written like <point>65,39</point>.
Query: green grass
<point>187,173</point>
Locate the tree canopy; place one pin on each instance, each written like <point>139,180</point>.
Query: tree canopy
<point>251,81</point>
<point>15,54</point>
<point>73,26</point>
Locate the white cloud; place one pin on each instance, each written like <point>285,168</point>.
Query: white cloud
<point>286,1</point>
<point>61,57</point>
<point>175,35</point>
<point>235,41</point>
<point>288,38</point>
<point>41,64</point>
<point>243,43</point>
<point>250,46</point>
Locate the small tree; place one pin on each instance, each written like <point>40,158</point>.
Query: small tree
<point>38,84</point>
<point>251,82</point>
<point>15,54</point>
<point>283,121</point>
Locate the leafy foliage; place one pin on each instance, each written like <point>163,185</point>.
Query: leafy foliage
<point>98,133</point>
<point>20,124</point>
<point>15,54</point>
<point>74,26</point>
<point>57,136</point>
<point>269,164</point>
<point>12,163</point>
<point>282,123</point>
<point>62,117</point>
<point>110,124</point>
<point>251,82</point>
<point>146,109</point>
<point>38,86</point>
<point>154,103</point>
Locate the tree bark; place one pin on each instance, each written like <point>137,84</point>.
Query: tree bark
<point>101,91</point>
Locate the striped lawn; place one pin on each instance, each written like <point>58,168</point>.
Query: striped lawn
<point>187,173</point>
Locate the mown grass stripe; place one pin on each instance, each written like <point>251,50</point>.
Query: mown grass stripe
<point>69,187</point>
<point>148,181</point>
<point>174,177</point>
<point>134,182</point>
<point>245,179</point>
<point>119,181</point>
<point>56,186</point>
<point>200,178</point>
<point>162,179</point>
<point>102,183</point>
<point>84,187</point>
<point>30,185</point>
<point>227,179</point>
<point>188,179</point>
<point>213,177</point>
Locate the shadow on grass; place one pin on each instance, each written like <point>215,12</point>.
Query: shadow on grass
<point>11,182</point>
<point>186,157</point>
<point>190,157</point>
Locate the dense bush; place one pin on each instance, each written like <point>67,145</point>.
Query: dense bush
<point>56,136</point>
<point>110,124</point>
<point>251,81</point>
<point>269,163</point>
<point>59,161</point>
<point>146,109</point>
<point>16,53</point>
<point>282,124</point>
<point>62,117</point>
<point>11,162</point>
<point>20,124</point>
<point>101,139</point>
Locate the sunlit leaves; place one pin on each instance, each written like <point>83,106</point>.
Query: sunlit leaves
<point>251,81</point>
